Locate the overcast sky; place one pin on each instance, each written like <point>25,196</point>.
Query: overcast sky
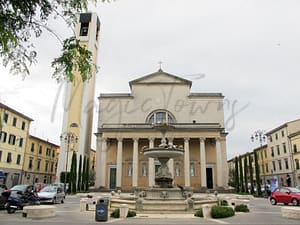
<point>248,50</point>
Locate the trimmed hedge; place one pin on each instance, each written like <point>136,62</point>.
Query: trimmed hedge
<point>241,208</point>
<point>116,213</point>
<point>199,213</point>
<point>221,211</point>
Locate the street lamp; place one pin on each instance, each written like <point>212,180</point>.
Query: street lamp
<point>260,136</point>
<point>68,138</point>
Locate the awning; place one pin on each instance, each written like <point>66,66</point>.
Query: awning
<point>2,175</point>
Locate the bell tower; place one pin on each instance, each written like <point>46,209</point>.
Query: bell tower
<point>79,99</point>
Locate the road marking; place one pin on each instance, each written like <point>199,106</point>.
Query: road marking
<point>218,221</point>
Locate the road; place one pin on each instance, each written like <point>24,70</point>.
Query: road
<point>261,213</point>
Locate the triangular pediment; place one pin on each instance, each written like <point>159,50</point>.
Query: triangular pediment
<point>160,77</point>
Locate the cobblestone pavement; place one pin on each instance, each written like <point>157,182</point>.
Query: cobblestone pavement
<point>261,213</point>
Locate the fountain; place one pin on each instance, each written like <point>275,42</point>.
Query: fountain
<point>163,197</point>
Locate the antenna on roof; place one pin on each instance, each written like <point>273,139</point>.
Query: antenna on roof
<point>160,62</point>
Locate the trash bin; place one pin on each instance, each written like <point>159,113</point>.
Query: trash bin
<point>101,212</point>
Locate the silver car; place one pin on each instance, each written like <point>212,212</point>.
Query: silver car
<point>52,194</point>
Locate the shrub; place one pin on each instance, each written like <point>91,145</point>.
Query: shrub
<point>221,211</point>
<point>223,203</point>
<point>199,213</point>
<point>241,208</point>
<point>116,213</point>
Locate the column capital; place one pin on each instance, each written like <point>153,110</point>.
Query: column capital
<point>186,139</point>
<point>120,139</point>
<point>135,139</point>
<point>202,139</point>
<point>217,139</point>
<point>151,139</point>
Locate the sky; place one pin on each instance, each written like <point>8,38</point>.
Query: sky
<point>247,50</point>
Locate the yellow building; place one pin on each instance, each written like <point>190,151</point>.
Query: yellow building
<point>295,146</point>
<point>125,125</point>
<point>264,164</point>
<point>41,157</point>
<point>14,129</point>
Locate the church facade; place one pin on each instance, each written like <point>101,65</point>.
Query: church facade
<point>125,127</point>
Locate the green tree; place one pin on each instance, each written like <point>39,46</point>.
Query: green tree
<point>236,175</point>
<point>251,173</point>
<point>73,173</point>
<point>246,173</point>
<point>83,174</point>
<point>22,21</point>
<point>87,176</point>
<point>241,175</point>
<point>257,174</point>
<point>79,174</point>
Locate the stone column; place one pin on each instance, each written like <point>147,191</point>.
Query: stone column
<point>119,163</point>
<point>101,155</point>
<point>187,182</point>
<point>171,161</point>
<point>203,163</point>
<point>151,175</point>
<point>219,162</point>
<point>135,163</point>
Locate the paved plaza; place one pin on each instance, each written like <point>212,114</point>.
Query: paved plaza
<point>261,212</point>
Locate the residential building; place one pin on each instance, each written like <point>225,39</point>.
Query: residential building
<point>126,123</point>
<point>14,127</point>
<point>295,146</point>
<point>41,157</point>
<point>263,164</point>
<point>281,151</point>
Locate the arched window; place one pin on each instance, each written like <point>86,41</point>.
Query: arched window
<point>160,116</point>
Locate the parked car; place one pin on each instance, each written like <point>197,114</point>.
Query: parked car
<point>39,186</point>
<point>285,195</point>
<point>52,194</point>
<point>23,188</point>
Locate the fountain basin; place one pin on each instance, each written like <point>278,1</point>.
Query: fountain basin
<point>158,152</point>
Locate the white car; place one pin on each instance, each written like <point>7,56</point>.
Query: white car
<point>52,194</point>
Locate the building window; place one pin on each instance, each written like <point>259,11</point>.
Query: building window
<point>297,164</point>
<point>129,169</point>
<point>276,136</point>
<point>0,155</point>
<point>46,166</point>
<point>38,165</point>
<point>48,151</point>
<point>282,133</point>
<point>177,169</point>
<point>32,147</point>
<point>53,153</point>
<point>5,118</point>
<point>144,169</point>
<point>30,163</point>
<point>284,147</point>
<point>84,29</point>
<point>160,117</point>
<point>267,168</point>
<point>295,147</point>
<point>279,164</point>
<point>3,136</point>
<point>18,159</point>
<point>192,169</point>
<point>271,139</point>
<point>265,151</point>
<point>40,150</point>
<point>286,164</point>
<point>263,169</point>
<point>23,125</point>
<point>52,167</point>
<point>9,158</point>
<point>278,149</point>
<point>12,139</point>
<point>272,151</point>
<point>14,123</point>
<point>274,165</point>
<point>20,142</point>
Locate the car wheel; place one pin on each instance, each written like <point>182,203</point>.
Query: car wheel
<point>54,200</point>
<point>62,200</point>
<point>273,201</point>
<point>295,202</point>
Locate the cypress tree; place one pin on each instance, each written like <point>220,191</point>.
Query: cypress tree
<point>87,176</point>
<point>241,175</point>
<point>251,173</point>
<point>73,173</point>
<point>83,174</point>
<point>246,173</point>
<point>79,174</point>
<point>257,174</point>
<point>236,175</point>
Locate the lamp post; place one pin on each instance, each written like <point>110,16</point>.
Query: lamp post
<point>68,138</point>
<point>260,136</point>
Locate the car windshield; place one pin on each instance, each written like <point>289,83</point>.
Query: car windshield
<point>294,190</point>
<point>18,188</point>
<point>49,189</point>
